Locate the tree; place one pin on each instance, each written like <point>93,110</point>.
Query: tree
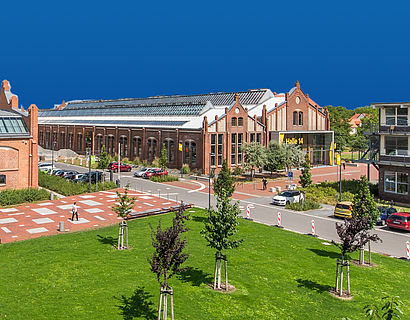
<point>365,206</point>
<point>104,159</point>
<point>254,156</point>
<point>339,122</point>
<point>291,155</point>
<point>219,228</point>
<point>390,310</point>
<point>353,234</point>
<point>123,209</point>
<point>168,256</point>
<point>163,159</point>
<point>225,180</point>
<point>306,176</point>
<point>273,160</point>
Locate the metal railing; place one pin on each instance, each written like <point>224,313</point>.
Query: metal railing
<point>376,128</point>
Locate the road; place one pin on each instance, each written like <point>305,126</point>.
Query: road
<point>261,211</point>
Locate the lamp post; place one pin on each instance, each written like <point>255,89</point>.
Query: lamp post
<point>53,144</point>
<point>119,164</point>
<point>209,182</point>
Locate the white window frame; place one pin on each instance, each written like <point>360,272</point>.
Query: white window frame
<point>396,183</point>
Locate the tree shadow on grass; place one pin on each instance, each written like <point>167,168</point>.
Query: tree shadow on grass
<point>195,276</point>
<point>107,240</point>
<point>199,219</point>
<point>325,253</point>
<point>313,285</point>
<point>138,305</point>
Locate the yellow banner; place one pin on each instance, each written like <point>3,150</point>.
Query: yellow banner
<point>338,160</point>
<point>180,147</point>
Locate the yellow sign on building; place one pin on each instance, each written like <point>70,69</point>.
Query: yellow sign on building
<point>180,147</point>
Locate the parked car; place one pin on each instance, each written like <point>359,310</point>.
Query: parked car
<point>69,173</point>
<point>155,172</point>
<point>343,210</point>
<point>54,172</point>
<point>45,166</point>
<point>61,173</point>
<point>287,196</point>
<point>399,220</point>
<point>95,175</point>
<point>75,176</point>
<point>113,166</point>
<point>141,172</point>
<point>385,213</point>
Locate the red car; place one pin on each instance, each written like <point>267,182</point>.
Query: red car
<point>113,166</point>
<point>399,220</point>
<point>155,172</point>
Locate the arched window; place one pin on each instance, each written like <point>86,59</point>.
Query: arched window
<point>300,118</point>
<point>152,149</point>
<point>136,147</point>
<point>170,146</point>
<point>240,122</point>
<point>233,122</point>
<point>110,145</point>
<point>190,153</point>
<point>79,142</point>
<point>295,118</point>
<point>124,146</point>
<point>99,143</point>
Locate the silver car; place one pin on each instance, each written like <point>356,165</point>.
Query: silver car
<point>141,172</point>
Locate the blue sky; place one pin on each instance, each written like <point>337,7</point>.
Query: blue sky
<point>348,53</point>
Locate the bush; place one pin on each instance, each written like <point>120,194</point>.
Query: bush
<point>321,194</point>
<point>303,205</point>
<point>347,196</point>
<point>12,197</point>
<point>163,178</point>
<point>69,188</point>
<point>238,171</point>
<point>185,169</point>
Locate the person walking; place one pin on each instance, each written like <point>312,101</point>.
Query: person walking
<point>265,183</point>
<point>74,210</point>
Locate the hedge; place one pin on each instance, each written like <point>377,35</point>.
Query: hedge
<point>12,197</point>
<point>303,205</point>
<point>166,178</point>
<point>69,188</point>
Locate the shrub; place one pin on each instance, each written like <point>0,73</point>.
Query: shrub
<point>303,205</point>
<point>163,178</point>
<point>185,169</point>
<point>69,188</point>
<point>321,194</point>
<point>12,197</point>
<point>347,196</point>
<point>237,171</point>
<point>137,161</point>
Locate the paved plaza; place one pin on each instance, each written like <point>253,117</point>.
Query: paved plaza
<point>43,218</point>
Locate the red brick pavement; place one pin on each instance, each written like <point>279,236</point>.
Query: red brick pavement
<point>39,219</point>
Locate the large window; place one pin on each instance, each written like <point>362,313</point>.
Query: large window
<point>124,146</point>
<point>79,142</point>
<point>233,148</point>
<point>240,139</point>
<point>70,140</point>
<point>2,179</point>
<point>233,122</point>
<point>240,122</point>
<point>300,118</point>
<point>213,149</point>
<point>170,146</point>
<point>62,140</point>
<point>396,182</point>
<point>136,147</point>
<point>396,116</point>
<point>295,118</point>
<point>190,153</point>
<point>396,146</point>
<point>220,149</point>
<point>152,148</point>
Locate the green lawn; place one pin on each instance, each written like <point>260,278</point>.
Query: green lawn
<point>278,275</point>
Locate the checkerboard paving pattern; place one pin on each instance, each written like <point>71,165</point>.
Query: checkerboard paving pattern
<point>94,210</point>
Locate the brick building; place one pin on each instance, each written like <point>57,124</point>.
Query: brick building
<point>210,127</point>
<point>18,142</point>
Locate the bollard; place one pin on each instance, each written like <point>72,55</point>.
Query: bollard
<point>408,250</point>
<point>313,233</point>
<point>51,196</point>
<point>279,225</point>
<point>61,227</point>
<point>248,212</point>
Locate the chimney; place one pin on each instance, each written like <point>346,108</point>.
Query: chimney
<point>5,86</point>
<point>297,85</point>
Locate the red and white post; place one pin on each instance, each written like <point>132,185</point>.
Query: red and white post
<point>408,250</point>
<point>248,212</point>
<point>313,233</point>
<point>279,225</point>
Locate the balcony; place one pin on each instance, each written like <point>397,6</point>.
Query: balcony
<point>402,161</point>
<point>383,128</point>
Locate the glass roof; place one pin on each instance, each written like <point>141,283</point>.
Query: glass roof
<point>12,125</point>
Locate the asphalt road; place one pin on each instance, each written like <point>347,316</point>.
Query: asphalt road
<point>394,242</point>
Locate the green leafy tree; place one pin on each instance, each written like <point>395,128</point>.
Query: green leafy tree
<point>254,156</point>
<point>123,208</point>
<point>273,159</point>
<point>339,122</point>
<point>306,176</point>
<point>104,159</point>
<point>364,206</point>
<point>389,311</point>
<point>291,155</point>
<point>220,226</point>
<point>225,180</point>
<point>163,159</point>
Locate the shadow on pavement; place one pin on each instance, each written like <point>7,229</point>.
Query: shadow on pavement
<point>195,276</point>
<point>138,305</point>
<point>312,285</point>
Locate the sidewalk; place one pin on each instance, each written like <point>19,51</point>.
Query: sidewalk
<point>43,218</point>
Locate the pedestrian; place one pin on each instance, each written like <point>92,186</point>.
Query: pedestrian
<point>265,183</point>
<point>74,210</point>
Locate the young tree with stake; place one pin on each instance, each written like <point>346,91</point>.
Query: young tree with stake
<point>221,225</point>
<point>123,209</point>
<point>168,257</point>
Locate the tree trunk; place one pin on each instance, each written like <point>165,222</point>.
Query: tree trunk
<point>122,235</point>
<point>370,253</point>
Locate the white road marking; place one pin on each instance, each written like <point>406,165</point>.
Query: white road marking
<point>93,210</point>
<point>45,204</point>
<point>9,210</point>
<point>81,220</point>
<point>16,214</point>
<point>7,220</point>
<point>36,230</point>
<point>43,220</point>
<point>90,202</point>
<point>99,218</point>
<point>148,204</point>
<point>201,187</point>
<point>44,211</point>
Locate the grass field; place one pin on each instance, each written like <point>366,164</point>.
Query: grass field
<point>277,275</point>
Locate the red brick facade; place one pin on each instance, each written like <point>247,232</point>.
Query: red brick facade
<point>18,155</point>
